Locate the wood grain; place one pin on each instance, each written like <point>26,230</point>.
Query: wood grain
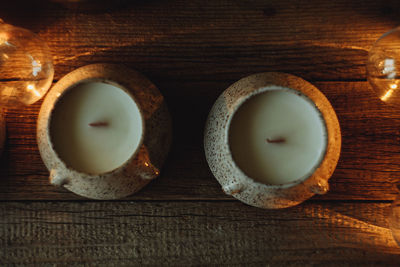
<point>218,40</point>
<point>368,168</point>
<point>193,50</point>
<point>195,233</point>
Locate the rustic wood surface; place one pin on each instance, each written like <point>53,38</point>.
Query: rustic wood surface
<point>193,50</point>
<point>199,233</point>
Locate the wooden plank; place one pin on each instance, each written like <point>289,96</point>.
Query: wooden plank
<point>195,233</point>
<point>319,40</point>
<point>192,51</point>
<point>368,168</point>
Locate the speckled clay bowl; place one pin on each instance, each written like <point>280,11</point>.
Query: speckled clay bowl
<point>2,131</point>
<point>147,160</point>
<point>233,180</point>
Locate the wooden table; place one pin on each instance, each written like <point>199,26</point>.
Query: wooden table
<point>193,50</point>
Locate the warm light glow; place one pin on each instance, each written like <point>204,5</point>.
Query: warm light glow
<point>3,38</point>
<point>31,87</point>
<point>390,68</point>
<point>387,95</point>
<point>146,164</point>
<point>364,234</point>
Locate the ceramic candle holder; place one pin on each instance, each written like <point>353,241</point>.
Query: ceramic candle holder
<point>146,161</point>
<point>219,154</point>
<point>2,131</point>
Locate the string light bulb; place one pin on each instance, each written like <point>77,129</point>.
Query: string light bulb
<point>383,67</point>
<point>26,67</point>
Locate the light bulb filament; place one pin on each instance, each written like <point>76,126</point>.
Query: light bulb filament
<point>31,87</point>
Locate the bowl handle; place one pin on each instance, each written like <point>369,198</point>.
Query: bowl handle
<point>56,179</point>
<point>148,171</point>
<point>233,188</point>
<point>320,188</point>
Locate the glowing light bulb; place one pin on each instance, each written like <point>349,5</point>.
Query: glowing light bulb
<point>26,67</point>
<point>383,67</point>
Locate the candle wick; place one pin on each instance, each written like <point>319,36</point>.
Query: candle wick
<point>99,124</point>
<point>279,140</point>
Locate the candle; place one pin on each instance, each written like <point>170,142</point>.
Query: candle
<point>277,137</point>
<point>96,127</point>
<point>103,131</point>
<point>272,140</point>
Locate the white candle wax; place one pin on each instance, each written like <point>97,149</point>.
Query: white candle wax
<point>277,137</point>
<point>95,127</point>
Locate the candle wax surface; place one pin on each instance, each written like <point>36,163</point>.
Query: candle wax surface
<point>95,149</point>
<point>281,115</point>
